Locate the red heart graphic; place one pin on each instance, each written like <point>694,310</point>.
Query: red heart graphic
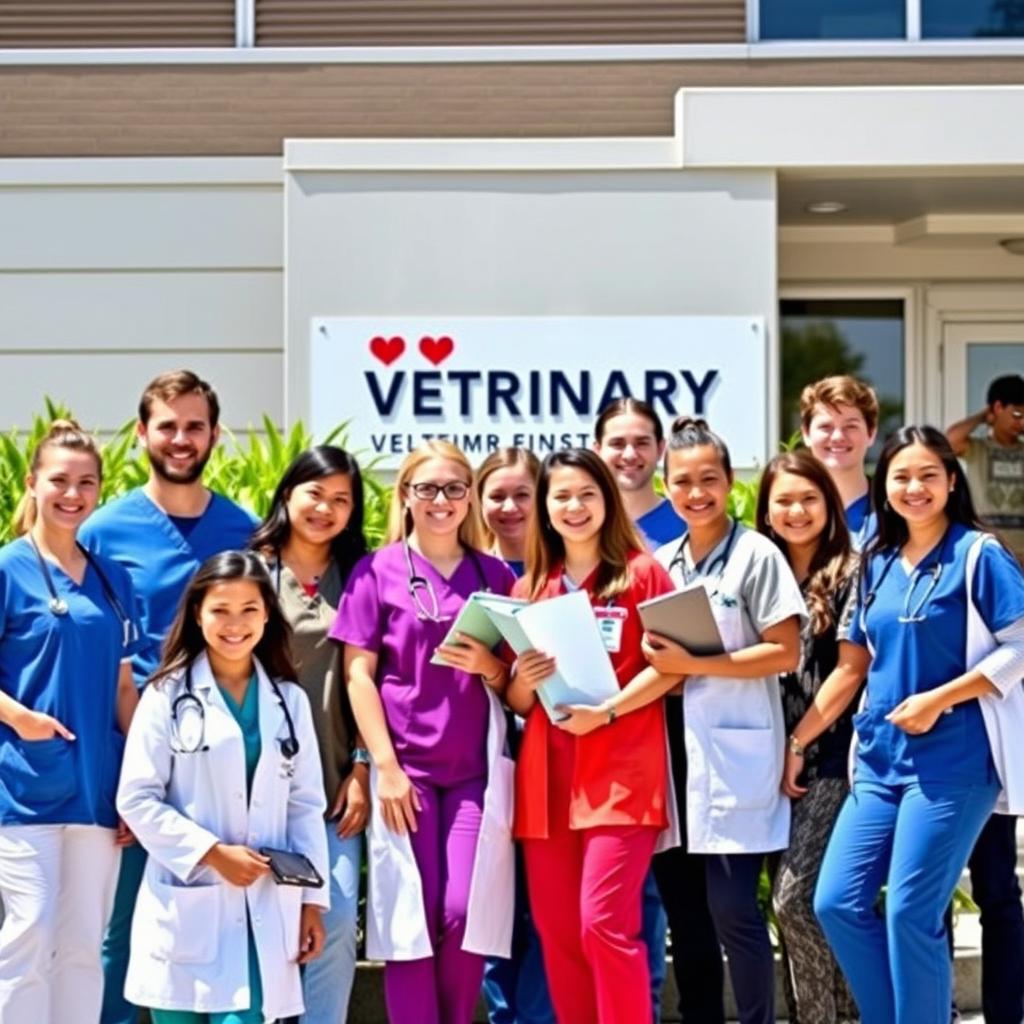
<point>437,350</point>
<point>387,350</point>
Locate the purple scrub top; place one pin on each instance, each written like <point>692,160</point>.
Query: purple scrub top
<point>437,716</point>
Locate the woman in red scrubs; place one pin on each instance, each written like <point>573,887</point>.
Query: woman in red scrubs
<point>591,796</point>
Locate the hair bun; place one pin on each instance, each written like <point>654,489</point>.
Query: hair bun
<point>682,422</point>
<point>63,426</point>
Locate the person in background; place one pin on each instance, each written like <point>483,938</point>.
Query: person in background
<point>505,483</point>
<point>161,533</point>
<point>310,539</point>
<point>798,507</point>
<point>221,766</point>
<point>732,709</point>
<point>67,629</point>
<point>516,988</point>
<point>839,422</point>
<point>440,781</point>
<point>592,792</point>
<point>629,437</point>
<point>995,472</point>
<point>631,441</point>
<point>929,764</point>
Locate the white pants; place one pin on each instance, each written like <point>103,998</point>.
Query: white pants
<point>57,883</point>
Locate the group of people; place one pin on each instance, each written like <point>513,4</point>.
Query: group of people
<point>183,689</point>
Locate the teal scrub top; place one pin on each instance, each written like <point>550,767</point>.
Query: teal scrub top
<point>66,666</point>
<point>247,715</point>
<point>912,657</point>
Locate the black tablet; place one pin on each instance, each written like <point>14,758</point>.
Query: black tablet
<point>292,868</point>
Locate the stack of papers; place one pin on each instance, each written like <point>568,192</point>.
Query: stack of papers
<point>563,628</point>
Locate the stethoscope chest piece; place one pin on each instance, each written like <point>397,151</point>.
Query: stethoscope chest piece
<point>58,606</point>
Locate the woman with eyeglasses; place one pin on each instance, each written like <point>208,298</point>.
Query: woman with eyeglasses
<point>431,717</point>
<point>939,629</point>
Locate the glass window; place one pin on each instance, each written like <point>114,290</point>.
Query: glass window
<point>970,19</point>
<point>833,19</point>
<point>861,337</point>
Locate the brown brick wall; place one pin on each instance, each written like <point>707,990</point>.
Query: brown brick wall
<point>248,110</point>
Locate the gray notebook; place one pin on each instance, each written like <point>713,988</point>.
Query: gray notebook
<point>684,616</point>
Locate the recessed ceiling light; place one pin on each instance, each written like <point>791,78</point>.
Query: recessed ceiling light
<point>826,206</point>
<point>1015,246</point>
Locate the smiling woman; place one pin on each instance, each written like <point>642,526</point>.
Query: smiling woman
<point>65,630</point>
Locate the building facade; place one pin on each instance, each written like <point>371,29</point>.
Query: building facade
<point>202,182</point>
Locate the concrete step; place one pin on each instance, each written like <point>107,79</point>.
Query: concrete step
<point>367,1005</point>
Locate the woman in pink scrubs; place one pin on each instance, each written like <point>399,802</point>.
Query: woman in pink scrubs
<point>425,725</point>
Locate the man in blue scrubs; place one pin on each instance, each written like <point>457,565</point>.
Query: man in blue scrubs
<point>161,532</point>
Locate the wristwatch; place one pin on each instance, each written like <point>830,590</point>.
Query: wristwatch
<point>360,755</point>
<point>796,747</point>
<point>612,714</point>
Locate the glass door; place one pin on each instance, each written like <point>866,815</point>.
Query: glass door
<point>974,354</point>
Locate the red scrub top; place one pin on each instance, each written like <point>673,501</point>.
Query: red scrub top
<point>619,771</point>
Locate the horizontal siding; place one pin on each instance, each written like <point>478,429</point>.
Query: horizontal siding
<point>496,22</point>
<point>234,111</point>
<point>116,23</point>
<point>127,310</point>
<point>102,388</point>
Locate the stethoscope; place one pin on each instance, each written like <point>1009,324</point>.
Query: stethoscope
<point>910,615</point>
<point>59,607</point>
<point>419,585</point>
<point>188,722</point>
<point>718,564</point>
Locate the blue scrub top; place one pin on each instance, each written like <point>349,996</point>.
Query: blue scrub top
<point>142,537</point>
<point>661,525</point>
<point>66,666</point>
<point>913,657</point>
<point>861,522</point>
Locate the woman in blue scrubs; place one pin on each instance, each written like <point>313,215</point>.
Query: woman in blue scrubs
<point>925,780</point>
<point>66,700</point>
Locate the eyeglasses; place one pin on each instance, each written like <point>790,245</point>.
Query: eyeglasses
<point>454,490</point>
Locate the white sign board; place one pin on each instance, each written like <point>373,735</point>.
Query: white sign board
<point>538,382</point>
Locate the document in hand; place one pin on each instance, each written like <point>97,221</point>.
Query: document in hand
<point>564,628</point>
<point>684,616</point>
<point>475,622</point>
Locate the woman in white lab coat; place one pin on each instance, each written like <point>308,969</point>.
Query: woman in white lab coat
<point>732,711</point>
<point>221,762</point>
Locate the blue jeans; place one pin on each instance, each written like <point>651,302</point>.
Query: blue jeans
<point>115,949</point>
<point>915,838</point>
<point>655,935</point>
<point>327,981</point>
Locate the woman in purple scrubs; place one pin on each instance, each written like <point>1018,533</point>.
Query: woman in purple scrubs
<point>426,727</point>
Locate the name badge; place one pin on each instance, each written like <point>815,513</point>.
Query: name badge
<point>610,621</point>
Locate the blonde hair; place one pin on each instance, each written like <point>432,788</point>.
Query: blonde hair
<point>503,458</point>
<point>399,518</point>
<point>61,434</point>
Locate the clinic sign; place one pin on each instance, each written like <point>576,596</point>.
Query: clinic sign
<point>488,382</point>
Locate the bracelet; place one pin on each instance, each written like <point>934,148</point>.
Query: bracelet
<point>360,755</point>
<point>612,713</point>
<point>796,747</point>
<point>493,679</point>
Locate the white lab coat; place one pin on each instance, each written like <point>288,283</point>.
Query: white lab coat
<point>396,924</point>
<point>734,731</point>
<point>1003,713</point>
<point>189,931</point>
